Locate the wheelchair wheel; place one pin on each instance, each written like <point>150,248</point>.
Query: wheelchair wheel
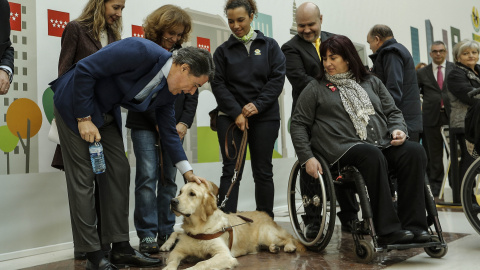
<point>315,197</point>
<point>364,252</point>
<point>436,252</point>
<point>470,194</point>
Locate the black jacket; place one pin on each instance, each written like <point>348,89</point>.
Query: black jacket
<point>255,76</point>
<point>303,63</point>
<point>6,50</point>
<point>433,95</point>
<point>393,64</point>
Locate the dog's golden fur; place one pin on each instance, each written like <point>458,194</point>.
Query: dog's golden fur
<point>198,204</point>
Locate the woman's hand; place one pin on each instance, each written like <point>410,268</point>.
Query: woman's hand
<point>398,137</point>
<point>313,167</point>
<point>241,122</point>
<point>249,110</point>
<point>182,130</point>
<point>190,177</point>
<point>88,131</point>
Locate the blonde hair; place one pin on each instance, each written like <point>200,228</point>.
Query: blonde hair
<point>93,17</point>
<point>463,45</point>
<point>165,18</point>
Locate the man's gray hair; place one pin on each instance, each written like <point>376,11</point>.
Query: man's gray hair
<point>199,60</point>
<point>438,42</point>
<point>463,45</point>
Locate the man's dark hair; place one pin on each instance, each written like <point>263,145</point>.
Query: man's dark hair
<point>381,31</point>
<point>343,46</point>
<point>199,60</point>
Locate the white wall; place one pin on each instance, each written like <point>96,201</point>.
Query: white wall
<point>34,208</point>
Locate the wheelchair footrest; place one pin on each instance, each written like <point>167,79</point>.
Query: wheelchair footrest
<point>412,245</point>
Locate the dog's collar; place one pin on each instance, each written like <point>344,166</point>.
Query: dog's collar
<point>229,229</point>
<point>211,236</point>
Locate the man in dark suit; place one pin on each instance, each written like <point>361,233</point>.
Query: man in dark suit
<point>139,75</point>
<point>303,65</point>
<point>435,110</point>
<point>6,50</point>
<point>303,62</point>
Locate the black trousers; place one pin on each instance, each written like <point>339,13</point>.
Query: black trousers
<point>434,141</point>
<point>261,141</point>
<point>409,162</point>
<point>113,186</point>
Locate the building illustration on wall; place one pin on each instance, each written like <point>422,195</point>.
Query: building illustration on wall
<point>23,157</point>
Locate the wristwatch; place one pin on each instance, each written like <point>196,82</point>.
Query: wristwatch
<point>83,119</point>
<point>8,73</point>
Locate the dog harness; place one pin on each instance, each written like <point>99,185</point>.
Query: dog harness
<point>229,229</point>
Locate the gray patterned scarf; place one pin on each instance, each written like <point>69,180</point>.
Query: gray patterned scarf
<point>355,101</point>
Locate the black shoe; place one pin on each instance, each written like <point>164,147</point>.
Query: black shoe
<point>103,265</point>
<point>148,245</point>
<point>311,230</point>
<point>421,236</point>
<point>398,237</point>
<point>137,260</point>
<point>79,255</point>
<point>348,227</point>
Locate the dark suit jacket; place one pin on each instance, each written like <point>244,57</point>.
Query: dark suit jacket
<point>78,43</point>
<point>112,77</point>
<point>432,95</point>
<point>303,63</point>
<point>6,50</point>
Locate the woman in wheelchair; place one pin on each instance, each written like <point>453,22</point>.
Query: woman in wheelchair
<point>349,117</point>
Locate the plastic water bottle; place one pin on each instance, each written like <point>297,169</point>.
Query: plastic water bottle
<point>97,158</point>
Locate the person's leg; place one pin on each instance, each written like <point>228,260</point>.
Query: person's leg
<point>409,163</point>
<point>146,178</point>
<point>223,122</point>
<point>114,184</point>
<point>80,187</point>
<point>434,140</point>
<point>372,165</point>
<point>261,140</point>
<point>166,191</point>
<point>146,153</point>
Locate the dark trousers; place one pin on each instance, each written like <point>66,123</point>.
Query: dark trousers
<point>261,141</point>
<point>434,141</point>
<point>113,186</point>
<point>409,162</point>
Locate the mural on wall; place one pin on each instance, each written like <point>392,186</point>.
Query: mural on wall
<point>22,117</point>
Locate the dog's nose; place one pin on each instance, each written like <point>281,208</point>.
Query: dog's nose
<point>174,202</point>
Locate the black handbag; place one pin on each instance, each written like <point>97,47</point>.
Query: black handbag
<point>213,119</point>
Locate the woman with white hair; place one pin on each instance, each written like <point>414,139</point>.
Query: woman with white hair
<point>464,78</point>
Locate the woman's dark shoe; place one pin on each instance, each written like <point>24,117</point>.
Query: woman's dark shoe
<point>103,265</point>
<point>398,237</point>
<point>123,260</point>
<point>311,230</point>
<point>421,236</point>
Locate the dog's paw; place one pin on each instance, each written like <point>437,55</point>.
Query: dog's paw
<point>273,248</point>
<point>289,248</point>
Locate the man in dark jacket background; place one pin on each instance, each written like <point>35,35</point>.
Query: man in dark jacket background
<point>6,50</point>
<point>393,64</point>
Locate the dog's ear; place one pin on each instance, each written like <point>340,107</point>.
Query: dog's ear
<point>209,205</point>
<point>214,189</point>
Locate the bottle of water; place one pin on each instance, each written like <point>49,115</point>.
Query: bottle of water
<point>97,158</point>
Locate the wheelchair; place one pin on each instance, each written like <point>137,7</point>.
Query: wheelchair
<point>317,198</point>
<point>470,194</point>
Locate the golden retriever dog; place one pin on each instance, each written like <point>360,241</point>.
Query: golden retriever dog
<point>201,219</point>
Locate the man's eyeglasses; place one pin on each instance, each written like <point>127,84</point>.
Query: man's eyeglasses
<point>439,51</point>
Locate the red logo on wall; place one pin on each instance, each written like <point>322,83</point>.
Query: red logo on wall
<point>137,31</point>
<point>57,21</point>
<point>15,16</point>
<point>203,43</point>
